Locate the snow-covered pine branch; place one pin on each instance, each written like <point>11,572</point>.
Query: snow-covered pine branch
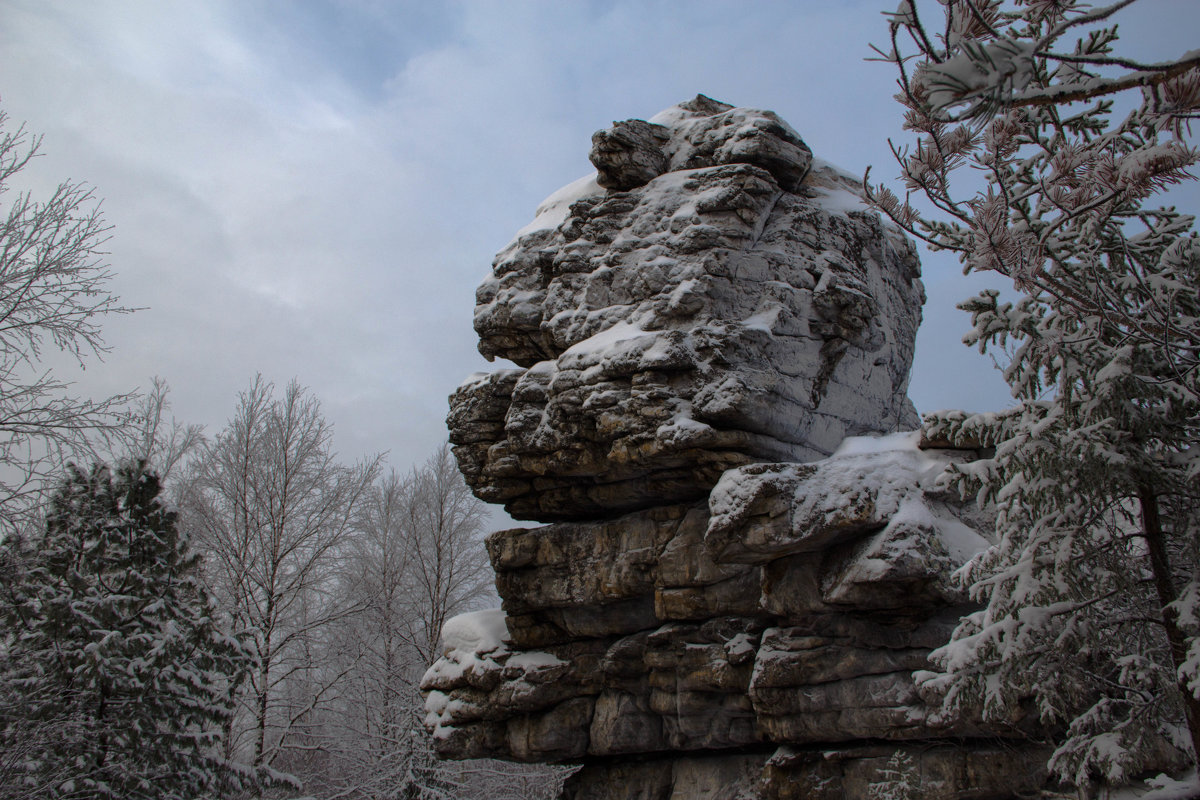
<point>1094,475</point>
<point>990,58</point>
<point>115,680</point>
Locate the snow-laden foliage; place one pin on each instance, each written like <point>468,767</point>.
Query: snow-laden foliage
<point>901,779</point>
<point>117,681</point>
<point>1090,616</point>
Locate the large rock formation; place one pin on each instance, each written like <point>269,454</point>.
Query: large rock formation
<point>736,591</point>
<point>727,300</point>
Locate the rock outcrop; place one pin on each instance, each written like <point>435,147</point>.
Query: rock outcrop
<point>726,301</point>
<point>746,563</point>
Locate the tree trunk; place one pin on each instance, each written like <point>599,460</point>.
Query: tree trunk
<point>260,741</point>
<point>1164,584</point>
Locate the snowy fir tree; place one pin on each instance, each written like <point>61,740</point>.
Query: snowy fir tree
<point>117,683</point>
<point>900,779</point>
<point>1091,608</point>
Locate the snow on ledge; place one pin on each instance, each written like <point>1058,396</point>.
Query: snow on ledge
<point>477,654</point>
<point>533,661</point>
<point>476,632</point>
<point>879,480</point>
<point>605,339</point>
<point>866,445</point>
<point>553,211</point>
<point>478,379</point>
<point>1162,787</point>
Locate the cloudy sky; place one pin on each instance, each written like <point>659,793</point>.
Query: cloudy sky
<point>312,189</point>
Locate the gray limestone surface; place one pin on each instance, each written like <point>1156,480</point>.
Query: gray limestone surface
<point>748,563</point>
<point>725,300</point>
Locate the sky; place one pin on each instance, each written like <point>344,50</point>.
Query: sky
<point>312,190</point>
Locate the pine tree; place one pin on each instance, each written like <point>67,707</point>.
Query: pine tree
<point>900,779</point>
<point>1091,615</point>
<point>111,656</point>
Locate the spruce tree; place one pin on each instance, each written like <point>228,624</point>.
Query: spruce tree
<point>111,657</point>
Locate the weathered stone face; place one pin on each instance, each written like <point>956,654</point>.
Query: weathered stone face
<point>734,600</point>
<point>699,133</point>
<point>724,303</point>
<point>946,771</point>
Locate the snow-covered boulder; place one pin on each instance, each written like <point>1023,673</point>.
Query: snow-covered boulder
<point>874,503</point>
<point>727,300</point>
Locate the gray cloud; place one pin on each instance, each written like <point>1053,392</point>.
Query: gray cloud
<point>314,190</point>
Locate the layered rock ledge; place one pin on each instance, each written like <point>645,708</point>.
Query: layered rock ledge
<point>832,576</point>
<point>747,566</point>
<point>781,624</point>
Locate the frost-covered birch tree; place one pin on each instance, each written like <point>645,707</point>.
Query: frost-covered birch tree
<point>162,442</point>
<point>273,509</point>
<point>1091,611</point>
<point>54,291</point>
<point>448,569</point>
<point>416,557</point>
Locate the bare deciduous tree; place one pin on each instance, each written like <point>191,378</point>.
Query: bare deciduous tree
<point>449,568</point>
<point>157,441</point>
<point>417,558</point>
<point>273,508</point>
<point>53,294</point>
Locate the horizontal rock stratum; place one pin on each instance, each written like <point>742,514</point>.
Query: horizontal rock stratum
<point>748,562</point>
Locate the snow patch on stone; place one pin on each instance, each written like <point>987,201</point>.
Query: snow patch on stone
<point>532,661</point>
<point>476,379</point>
<point>603,342</point>
<point>553,211</point>
<point>840,201</point>
<point>476,631</point>
<point>1162,787</point>
<point>870,484</point>
<point>866,445</point>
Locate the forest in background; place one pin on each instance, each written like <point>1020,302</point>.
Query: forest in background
<point>190,615</point>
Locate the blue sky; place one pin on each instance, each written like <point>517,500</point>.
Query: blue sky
<point>314,189</point>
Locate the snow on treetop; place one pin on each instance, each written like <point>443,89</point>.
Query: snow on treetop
<point>979,68</point>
